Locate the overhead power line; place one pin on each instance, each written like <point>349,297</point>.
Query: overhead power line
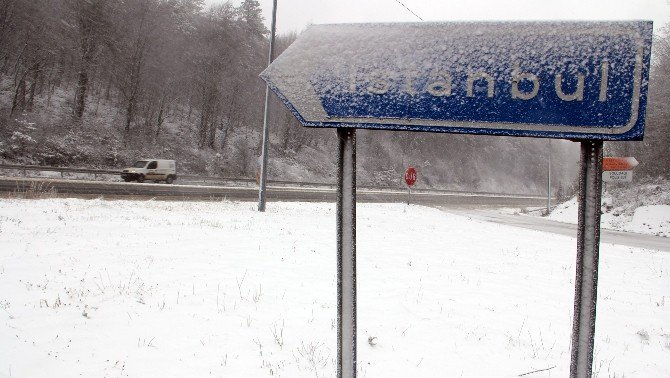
<point>410,11</point>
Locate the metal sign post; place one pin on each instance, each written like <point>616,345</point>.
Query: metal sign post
<point>549,181</point>
<point>346,253</point>
<point>588,245</point>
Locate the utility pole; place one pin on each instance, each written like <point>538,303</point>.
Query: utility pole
<point>266,126</point>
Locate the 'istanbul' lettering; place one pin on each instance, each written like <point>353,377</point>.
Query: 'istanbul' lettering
<point>517,77</point>
<point>523,86</point>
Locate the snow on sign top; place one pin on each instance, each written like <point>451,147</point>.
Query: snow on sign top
<point>575,80</point>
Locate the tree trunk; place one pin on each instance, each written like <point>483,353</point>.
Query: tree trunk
<point>202,128</point>
<point>33,85</point>
<point>19,101</point>
<point>4,69</point>
<point>211,129</point>
<point>130,109</point>
<point>109,86</point>
<point>82,86</point>
<point>190,109</point>
<point>224,134</point>
<point>159,120</point>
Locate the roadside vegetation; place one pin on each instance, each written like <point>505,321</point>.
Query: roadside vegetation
<point>101,83</point>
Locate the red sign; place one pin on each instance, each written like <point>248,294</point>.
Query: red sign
<point>410,176</point>
<point>619,163</point>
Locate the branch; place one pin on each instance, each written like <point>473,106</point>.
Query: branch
<point>536,371</point>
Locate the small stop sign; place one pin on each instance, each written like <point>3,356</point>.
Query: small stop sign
<point>410,176</point>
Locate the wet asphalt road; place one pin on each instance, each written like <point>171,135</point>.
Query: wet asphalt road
<point>115,189</point>
<point>489,214</point>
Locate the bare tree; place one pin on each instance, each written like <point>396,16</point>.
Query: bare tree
<point>32,38</point>
<point>92,25</point>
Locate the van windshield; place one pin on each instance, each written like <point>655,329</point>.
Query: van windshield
<point>140,164</point>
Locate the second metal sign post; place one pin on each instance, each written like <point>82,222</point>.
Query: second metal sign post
<point>346,253</point>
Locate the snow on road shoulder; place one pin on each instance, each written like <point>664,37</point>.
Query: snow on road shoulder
<point>651,219</point>
<point>654,219</point>
<point>642,207</point>
<point>173,289</point>
<point>566,212</point>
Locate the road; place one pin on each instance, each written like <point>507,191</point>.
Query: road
<point>473,205</point>
<point>250,193</point>
<point>541,224</point>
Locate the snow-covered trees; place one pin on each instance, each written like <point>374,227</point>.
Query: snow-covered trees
<point>657,142</point>
<point>652,153</point>
<point>250,13</point>
<point>28,40</point>
<point>92,24</point>
<point>146,54</point>
<point>174,75</point>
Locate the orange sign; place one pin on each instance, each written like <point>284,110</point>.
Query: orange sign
<point>619,163</point>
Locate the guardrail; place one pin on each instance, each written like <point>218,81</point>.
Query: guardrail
<point>95,172</point>
<point>62,170</point>
<point>212,179</point>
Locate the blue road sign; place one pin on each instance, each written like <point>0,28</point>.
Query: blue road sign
<point>572,80</point>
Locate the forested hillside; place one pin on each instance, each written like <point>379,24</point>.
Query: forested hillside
<point>100,83</point>
<point>652,153</point>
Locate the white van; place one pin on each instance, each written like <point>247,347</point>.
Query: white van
<point>151,169</point>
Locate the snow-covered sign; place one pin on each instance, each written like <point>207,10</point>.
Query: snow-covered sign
<point>577,80</point>
<point>618,176</point>
<point>619,163</point>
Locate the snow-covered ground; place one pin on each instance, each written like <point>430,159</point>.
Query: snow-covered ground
<point>651,219</point>
<point>643,208</point>
<point>181,289</point>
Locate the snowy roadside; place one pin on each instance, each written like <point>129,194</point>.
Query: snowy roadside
<point>642,208</point>
<point>174,289</point>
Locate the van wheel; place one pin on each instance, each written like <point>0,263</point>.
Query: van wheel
<point>140,178</point>
<point>169,180</point>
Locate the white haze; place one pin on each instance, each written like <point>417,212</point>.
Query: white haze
<point>295,15</point>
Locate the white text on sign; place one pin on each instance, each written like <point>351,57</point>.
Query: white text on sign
<point>441,84</point>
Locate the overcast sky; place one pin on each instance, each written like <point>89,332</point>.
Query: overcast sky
<point>295,15</point>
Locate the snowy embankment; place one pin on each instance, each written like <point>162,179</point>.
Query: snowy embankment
<point>643,208</point>
<point>177,289</point>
